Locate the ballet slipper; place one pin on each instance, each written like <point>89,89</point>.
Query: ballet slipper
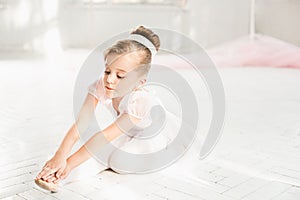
<point>52,187</point>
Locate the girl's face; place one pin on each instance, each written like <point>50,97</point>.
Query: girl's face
<point>120,76</point>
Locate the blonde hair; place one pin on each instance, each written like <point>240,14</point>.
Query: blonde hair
<point>128,46</point>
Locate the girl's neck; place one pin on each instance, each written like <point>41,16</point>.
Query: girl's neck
<point>115,103</point>
<point>116,99</point>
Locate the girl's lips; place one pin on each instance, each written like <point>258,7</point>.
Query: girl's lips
<point>108,88</point>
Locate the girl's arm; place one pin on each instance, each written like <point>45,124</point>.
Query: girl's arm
<point>58,162</point>
<point>81,124</point>
<point>124,123</point>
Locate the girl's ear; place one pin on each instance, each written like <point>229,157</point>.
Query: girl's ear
<point>141,82</point>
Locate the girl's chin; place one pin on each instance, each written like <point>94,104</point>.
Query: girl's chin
<point>114,94</point>
<point>111,94</point>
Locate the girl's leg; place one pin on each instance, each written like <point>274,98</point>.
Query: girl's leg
<point>86,170</point>
<point>117,162</point>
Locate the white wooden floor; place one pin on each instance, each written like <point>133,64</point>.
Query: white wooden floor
<point>258,156</point>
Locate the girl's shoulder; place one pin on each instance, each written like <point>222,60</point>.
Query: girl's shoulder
<point>142,93</point>
<point>139,102</point>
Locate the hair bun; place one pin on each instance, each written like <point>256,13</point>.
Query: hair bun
<point>149,34</point>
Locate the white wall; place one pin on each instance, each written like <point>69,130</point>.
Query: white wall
<point>23,23</point>
<point>208,22</point>
<point>214,21</point>
<point>279,18</point>
<point>83,26</point>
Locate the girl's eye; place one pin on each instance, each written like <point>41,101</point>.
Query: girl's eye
<point>120,77</point>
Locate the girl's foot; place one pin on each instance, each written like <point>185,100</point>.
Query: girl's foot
<point>47,185</point>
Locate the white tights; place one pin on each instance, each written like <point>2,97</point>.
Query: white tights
<point>86,170</point>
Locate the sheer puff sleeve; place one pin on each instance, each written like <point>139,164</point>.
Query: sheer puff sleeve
<point>97,90</point>
<point>138,104</point>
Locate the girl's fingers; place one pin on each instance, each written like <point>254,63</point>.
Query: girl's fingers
<point>50,176</point>
<point>62,176</point>
<point>57,180</point>
<point>51,179</point>
<point>59,172</point>
<point>48,172</point>
<point>45,173</point>
<point>41,174</point>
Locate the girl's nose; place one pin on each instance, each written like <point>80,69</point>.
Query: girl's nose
<point>110,78</point>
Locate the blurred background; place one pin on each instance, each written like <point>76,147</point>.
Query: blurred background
<point>255,45</point>
<point>47,28</point>
<point>51,25</point>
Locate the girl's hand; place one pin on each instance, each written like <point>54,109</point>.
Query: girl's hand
<point>64,174</point>
<point>53,168</point>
